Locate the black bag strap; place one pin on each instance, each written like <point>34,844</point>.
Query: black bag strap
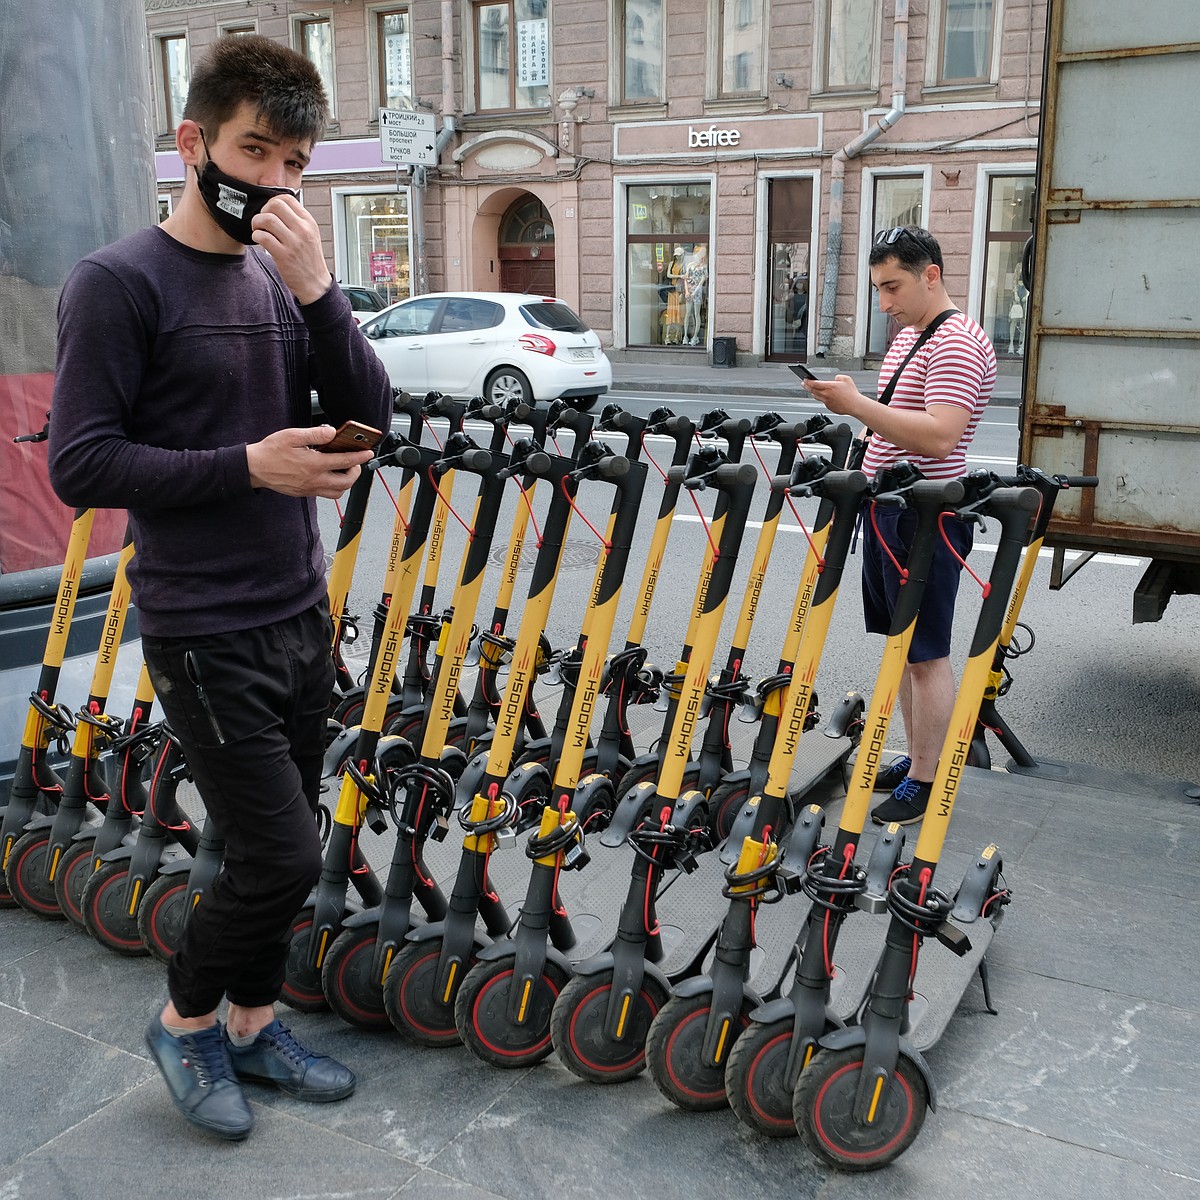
<point>928,332</point>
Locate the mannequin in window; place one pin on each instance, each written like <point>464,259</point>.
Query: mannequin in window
<point>1016,319</point>
<point>673,316</point>
<point>695,289</point>
<point>797,315</point>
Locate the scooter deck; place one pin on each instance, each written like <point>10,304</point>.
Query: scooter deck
<point>942,979</point>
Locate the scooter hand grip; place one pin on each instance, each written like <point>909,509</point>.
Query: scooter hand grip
<point>675,426</point>
<point>613,466</point>
<point>936,493</point>
<point>732,475</point>
<point>409,457</point>
<point>537,463</point>
<point>475,460</point>
<point>1078,481</point>
<point>734,427</point>
<point>1011,502</point>
<point>844,483</point>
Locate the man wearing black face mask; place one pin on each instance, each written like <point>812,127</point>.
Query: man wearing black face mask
<point>185,360</point>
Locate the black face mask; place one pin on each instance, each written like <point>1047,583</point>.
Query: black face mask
<point>233,202</point>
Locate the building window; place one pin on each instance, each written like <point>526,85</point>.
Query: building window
<point>966,41</point>
<point>164,207</point>
<point>512,55</point>
<point>1005,299</point>
<point>314,39</point>
<point>240,29</point>
<point>377,250</point>
<point>394,64</point>
<point>741,51</point>
<point>667,239</point>
<point>897,200</point>
<point>789,238</point>
<point>849,45</point>
<point>173,75</point>
<point>642,50</point>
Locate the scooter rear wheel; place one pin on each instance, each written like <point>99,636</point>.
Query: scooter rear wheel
<point>823,1108</point>
<point>756,1078</point>
<point>674,1053</point>
<point>162,915</point>
<point>25,875</point>
<point>408,995</point>
<point>74,870</point>
<point>348,983</point>
<point>482,1017</point>
<point>302,983</point>
<point>106,911</point>
<point>577,1029</point>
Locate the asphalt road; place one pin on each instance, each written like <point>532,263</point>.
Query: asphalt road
<point>1094,688</point>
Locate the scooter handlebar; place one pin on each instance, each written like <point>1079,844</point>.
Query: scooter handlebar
<point>476,460</point>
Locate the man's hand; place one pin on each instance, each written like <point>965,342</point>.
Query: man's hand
<point>286,462</point>
<point>839,395</point>
<point>287,231</point>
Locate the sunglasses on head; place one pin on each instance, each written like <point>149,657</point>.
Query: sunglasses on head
<point>889,237</point>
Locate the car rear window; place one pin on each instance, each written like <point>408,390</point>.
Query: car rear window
<point>553,314</point>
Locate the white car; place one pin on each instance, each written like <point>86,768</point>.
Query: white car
<point>499,345</point>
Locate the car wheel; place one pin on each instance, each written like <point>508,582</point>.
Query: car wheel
<point>506,385</point>
<point>583,403</point>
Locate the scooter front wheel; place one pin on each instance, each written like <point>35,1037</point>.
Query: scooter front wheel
<point>580,1040</point>
<point>111,916</point>
<point>25,875</point>
<point>482,1017</point>
<point>162,915</point>
<point>823,1108</point>
<point>675,1053</point>
<point>348,982</point>
<point>301,982</point>
<point>756,1078</point>
<point>74,870</point>
<point>409,995</point>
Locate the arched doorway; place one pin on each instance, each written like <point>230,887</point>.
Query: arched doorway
<point>526,249</point>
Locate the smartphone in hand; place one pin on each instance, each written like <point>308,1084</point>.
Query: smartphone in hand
<point>351,436</point>
<point>801,370</point>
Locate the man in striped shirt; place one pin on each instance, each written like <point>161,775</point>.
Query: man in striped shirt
<point>939,395</point>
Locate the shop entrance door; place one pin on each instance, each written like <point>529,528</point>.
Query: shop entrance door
<point>789,233</point>
<point>526,249</point>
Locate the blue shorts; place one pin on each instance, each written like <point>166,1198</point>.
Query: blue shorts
<point>881,579</point>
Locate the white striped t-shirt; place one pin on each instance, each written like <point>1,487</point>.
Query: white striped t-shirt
<point>956,366</point>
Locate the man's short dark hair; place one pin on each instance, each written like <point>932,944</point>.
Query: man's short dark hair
<point>284,87</point>
<point>914,247</point>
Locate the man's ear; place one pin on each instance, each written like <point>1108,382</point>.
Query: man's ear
<point>190,143</point>
<point>933,274</point>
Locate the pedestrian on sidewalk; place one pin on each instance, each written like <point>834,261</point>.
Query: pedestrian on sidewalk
<point>938,375</point>
<point>186,356</point>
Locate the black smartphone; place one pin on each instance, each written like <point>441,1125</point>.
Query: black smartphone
<point>801,370</point>
<point>351,436</point>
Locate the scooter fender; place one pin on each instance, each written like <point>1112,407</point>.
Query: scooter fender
<point>743,823</point>
<point>594,794</point>
<point>702,985</point>
<point>856,1035</point>
<point>339,750</point>
<point>605,963</point>
<point>176,866</point>
<point>527,782</point>
<point>41,821</point>
<point>849,710</point>
<point>978,884</point>
<point>364,916</point>
<point>782,1008</point>
<point>630,809</point>
<point>507,948</point>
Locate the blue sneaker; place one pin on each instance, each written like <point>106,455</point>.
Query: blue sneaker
<point>905,806</point>
<point>895,773</point>
<point>200,1080</point>
<point>276,1057</point>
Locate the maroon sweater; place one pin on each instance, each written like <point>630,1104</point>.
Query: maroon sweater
<point>170,361</point>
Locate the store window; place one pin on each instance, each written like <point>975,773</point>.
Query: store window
<point>849,45</point>
<point>667,276</point>
<point>394,57</point>
<point>1005,301</point>
<point>314,39</point>
<point>641,51</point>
<point>967,28</point>
<point>896,200</point>
<point>512,55</point>
<point>377,243</point>
<point>741,25</point>
<point>789,234</point>
<point>173,75</point>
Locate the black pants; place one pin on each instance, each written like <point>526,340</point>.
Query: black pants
<point>249,710</point>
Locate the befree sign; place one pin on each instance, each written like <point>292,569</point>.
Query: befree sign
<point>712,136</point>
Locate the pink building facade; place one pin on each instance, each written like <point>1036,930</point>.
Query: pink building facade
<point>690,175</point>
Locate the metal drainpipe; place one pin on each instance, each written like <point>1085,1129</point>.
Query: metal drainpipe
<point>420,175</point>
<point>837,180</point>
